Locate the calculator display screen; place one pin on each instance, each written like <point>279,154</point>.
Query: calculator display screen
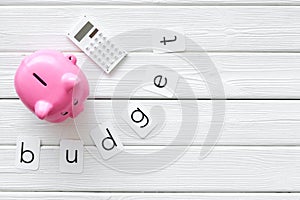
<point>83,31</point>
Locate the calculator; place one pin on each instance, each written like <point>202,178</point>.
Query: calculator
<point>90,39</point>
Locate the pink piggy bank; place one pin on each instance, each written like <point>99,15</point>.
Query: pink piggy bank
<point>51,85</point>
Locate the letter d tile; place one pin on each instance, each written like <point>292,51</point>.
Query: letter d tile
<point>106,139</point>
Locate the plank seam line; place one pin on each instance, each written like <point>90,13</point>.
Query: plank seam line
<point>13,146</point>
<point>33,192</point>
<point>120,5</point>
<point>179,99</point>
<point>149,192</point>
<point>188,51</point>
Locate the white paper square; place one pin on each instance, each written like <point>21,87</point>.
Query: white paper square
<point>161,81</point>
<point>107,141</point>
<point>139,119</point>
<point>168,40</point>
<point>28,153</point>
<point>71,156</point>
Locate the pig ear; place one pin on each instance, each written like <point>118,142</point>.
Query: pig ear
<point>42,109</point>
<point>72,58</point>
<point>69,81</point>
<point>25,60</point>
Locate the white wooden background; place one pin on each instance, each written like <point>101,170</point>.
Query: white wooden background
<point>255,46</point>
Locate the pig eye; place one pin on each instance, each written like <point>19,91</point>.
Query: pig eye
<point>75,102</point>
<point>64,113</point>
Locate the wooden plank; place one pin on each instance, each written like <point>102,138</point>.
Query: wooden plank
<point>227,2</point>
<point>244,75</point>
<point>75,2</point>
<point>151,2</point>
<point>147,196</point>
<point>247,122</point>
<point>226,28</point>
<point>235,169</point>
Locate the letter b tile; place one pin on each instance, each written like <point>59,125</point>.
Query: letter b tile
<point>28,153</point>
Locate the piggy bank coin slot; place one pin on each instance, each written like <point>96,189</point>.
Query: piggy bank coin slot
<point>40,79</point>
